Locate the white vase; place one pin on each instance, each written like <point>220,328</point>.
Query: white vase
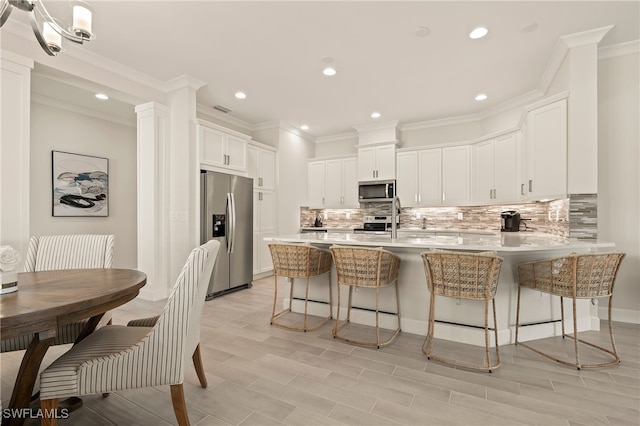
<point>9,281</point>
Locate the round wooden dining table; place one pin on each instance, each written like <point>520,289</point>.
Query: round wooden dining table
<point>49,299</point>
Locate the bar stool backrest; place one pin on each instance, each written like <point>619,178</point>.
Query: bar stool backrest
<point>299,260</point>
<point>591,274</point>
<point>462,275</point>
<point>365,267</point>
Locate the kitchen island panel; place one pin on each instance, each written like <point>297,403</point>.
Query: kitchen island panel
<point>514,248</point>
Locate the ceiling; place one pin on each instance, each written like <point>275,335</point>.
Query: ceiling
<point>275,53</point>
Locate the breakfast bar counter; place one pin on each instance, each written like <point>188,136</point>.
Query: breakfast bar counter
<point>459,319</point>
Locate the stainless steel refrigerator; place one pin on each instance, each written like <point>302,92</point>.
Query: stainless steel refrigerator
<point>226,214</point>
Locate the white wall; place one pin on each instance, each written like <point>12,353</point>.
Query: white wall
<point>293,152</point>
<point>619,179</point>
<point>62,130</point>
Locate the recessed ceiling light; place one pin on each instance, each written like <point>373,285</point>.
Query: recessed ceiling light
<point>422,31</point>
<point>329,71</point>
<point>478,33</point>
<point>241,95</point>
<point>481,97</point>
<point>102,96</point>
<point>376,115</point>
<point>529,28</point>
<point>304,127</point>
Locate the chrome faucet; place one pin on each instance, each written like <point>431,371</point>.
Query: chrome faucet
<point>395,209</point>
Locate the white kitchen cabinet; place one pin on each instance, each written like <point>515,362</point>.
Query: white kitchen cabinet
<point>264,225</point>
<point>316,183</point>
<point>261,166</point>
<point>377,163</point>
<point>333,183</point>
<point>546,151</point>
<point>456,175</point>
<point>407,178</point>
<point>222,148</point>
<point>430,177</point>
<point>495,170</point>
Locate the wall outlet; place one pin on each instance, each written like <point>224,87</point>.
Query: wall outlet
<point>460,216</point>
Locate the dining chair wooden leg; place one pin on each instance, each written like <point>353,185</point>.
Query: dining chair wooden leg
<point>197,363</point>
<point>49,407</point>
<point>179,405</point>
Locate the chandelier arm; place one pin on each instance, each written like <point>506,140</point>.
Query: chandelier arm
<point>40,9</point>
<point>35,25</point>
<point>5,11</point>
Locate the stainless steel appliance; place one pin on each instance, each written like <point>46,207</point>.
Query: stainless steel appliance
<point>226,215</point>
<point>376,191</point>
<point>380,225</point>
<point>510,220</point>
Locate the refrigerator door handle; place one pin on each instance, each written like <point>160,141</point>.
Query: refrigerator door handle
<point>233,223</point>
<point>229,230</point>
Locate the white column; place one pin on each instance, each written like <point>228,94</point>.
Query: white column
<point>184,185</point>
<point>153,177</point>
<point>582,111</point>
<point>15,119</point>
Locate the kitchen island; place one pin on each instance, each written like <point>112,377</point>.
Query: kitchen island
<point>458,320</point>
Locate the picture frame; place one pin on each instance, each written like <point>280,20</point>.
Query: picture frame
<point>80,185</point>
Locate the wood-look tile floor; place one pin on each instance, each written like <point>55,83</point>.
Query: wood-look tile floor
<point>264,375</point>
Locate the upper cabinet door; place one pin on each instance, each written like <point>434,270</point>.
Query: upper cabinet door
<point>456,171</point>
<point>236,153</point>
<point>506,171</point>
<point>267,169</point>
<point>222,150</point>
<point>546,145</point>
<point>212,147</point>
<point>386,162</point>
<point>316,185</point>
<point>377,163</point>
<point>333,183</point>
<point>484,166</point>
<point>367,164</point>
<point>350,183</point>
<point>407,178</point>
<point>430,177</point>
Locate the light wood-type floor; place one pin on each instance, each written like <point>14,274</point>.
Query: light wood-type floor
<point>263,375</point>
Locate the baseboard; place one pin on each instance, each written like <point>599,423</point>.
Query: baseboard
<point>620,315</point>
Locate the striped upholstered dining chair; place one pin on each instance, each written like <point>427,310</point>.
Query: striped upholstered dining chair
<point>119,357</point>
<point>54,252</point>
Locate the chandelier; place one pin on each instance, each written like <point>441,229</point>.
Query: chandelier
<point>46,28</point>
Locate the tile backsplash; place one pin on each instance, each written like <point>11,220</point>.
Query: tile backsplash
<point>550,217</point>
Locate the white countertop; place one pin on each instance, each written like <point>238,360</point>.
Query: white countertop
<point>504,242</point>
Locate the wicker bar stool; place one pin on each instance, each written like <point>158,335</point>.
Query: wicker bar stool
<point>578,276</point>
<point>299,261</point>
<point>365,267</point>
<point>472,276</point>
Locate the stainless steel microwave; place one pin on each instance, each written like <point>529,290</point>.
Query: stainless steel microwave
<point>376,191</point>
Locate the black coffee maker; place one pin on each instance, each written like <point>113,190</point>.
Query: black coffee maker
<point>510,221</point>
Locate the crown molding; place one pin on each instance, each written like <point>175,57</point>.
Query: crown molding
<point>620,49</point>
<point>585,37</point>
<point>267,125</point>
<point>337,137</point>
<point>461,119</point>
<point>76,109</point>
<point>181,82</point>
<point>377,126</point>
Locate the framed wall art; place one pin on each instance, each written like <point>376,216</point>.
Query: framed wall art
<point>80,185</point>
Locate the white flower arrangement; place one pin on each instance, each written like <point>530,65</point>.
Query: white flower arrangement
<point>9,258</point>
